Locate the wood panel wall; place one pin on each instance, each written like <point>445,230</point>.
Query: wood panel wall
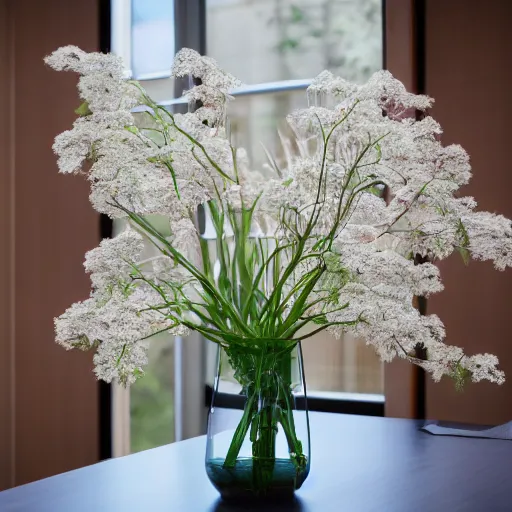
<point>400,60</point>
<point>468,48</point>
<point>48,397</point>
<point>6,252</point>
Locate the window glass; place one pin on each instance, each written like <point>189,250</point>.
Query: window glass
<point>152,38</point>
<point>341,365</point>
<point>270,40</point>
<point>256,120</point>
<point>152,398</point>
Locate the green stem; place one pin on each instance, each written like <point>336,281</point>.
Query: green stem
<point>241,432</point>
<point>264,447</point>
<point>288,424</point>
<point>269,403</point>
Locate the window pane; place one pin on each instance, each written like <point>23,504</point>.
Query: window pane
<point>256,121</point>
<point>152,38</point>
<point>341,365</point>
<point>152,398</point>
<point>271,40</point>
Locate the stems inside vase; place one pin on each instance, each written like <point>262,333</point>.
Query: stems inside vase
<point>269,404</point>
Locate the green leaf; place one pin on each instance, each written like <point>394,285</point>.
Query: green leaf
<point>307,284</point>
<point>297,14</point>
<point>463,234</point>
<point>287,182</point>
<point>288,44</point>
<point>460,375</point>
<point>83,110</point>
<point>375,191</point>
<point>463,237</point>
<point>118,361</point>
<point>465,255</point>
<point>137,372</point>
<point>320,320</point>
<point>132,129</point>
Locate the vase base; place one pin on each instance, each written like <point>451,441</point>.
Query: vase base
<point>247,480</point>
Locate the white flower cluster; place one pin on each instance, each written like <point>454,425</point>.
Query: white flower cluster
<point>214,87</point>
<point>101,82</point>
<point>380,292</point>
<point>149,163</point>
<point>117,318</point>
<point>381,144</point>
<point>366,188</point>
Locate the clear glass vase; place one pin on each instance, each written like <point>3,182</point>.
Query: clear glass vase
<point>258,425</point>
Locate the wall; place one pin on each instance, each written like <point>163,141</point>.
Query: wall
<point>6,254</point>
<point>54,406</point>
<point>468,48</point>
<point>400,59</point>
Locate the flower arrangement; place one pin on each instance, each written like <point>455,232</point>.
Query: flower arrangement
<point>341,236</point>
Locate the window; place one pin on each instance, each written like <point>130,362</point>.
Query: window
<point>275,47</point>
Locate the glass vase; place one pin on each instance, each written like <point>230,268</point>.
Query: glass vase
<point>258,426</point>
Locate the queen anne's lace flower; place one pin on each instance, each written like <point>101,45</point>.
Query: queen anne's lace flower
<point>101,83</point>
<point>213,91</point>
<point>118,328</point>
<point>364,188</point>
<point>184,236</point>
<point>112,263</point>
<point>490,237</point>
<point>74,146</point>
<point>328,84</point>
<point>128,172</point>
<point>189,62</point>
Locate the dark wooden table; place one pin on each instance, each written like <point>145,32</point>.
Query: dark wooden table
<point>359,464</point>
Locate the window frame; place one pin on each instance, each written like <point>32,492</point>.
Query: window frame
<point>337,402</point>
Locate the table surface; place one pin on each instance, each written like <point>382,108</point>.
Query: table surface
<point>359,464</point>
